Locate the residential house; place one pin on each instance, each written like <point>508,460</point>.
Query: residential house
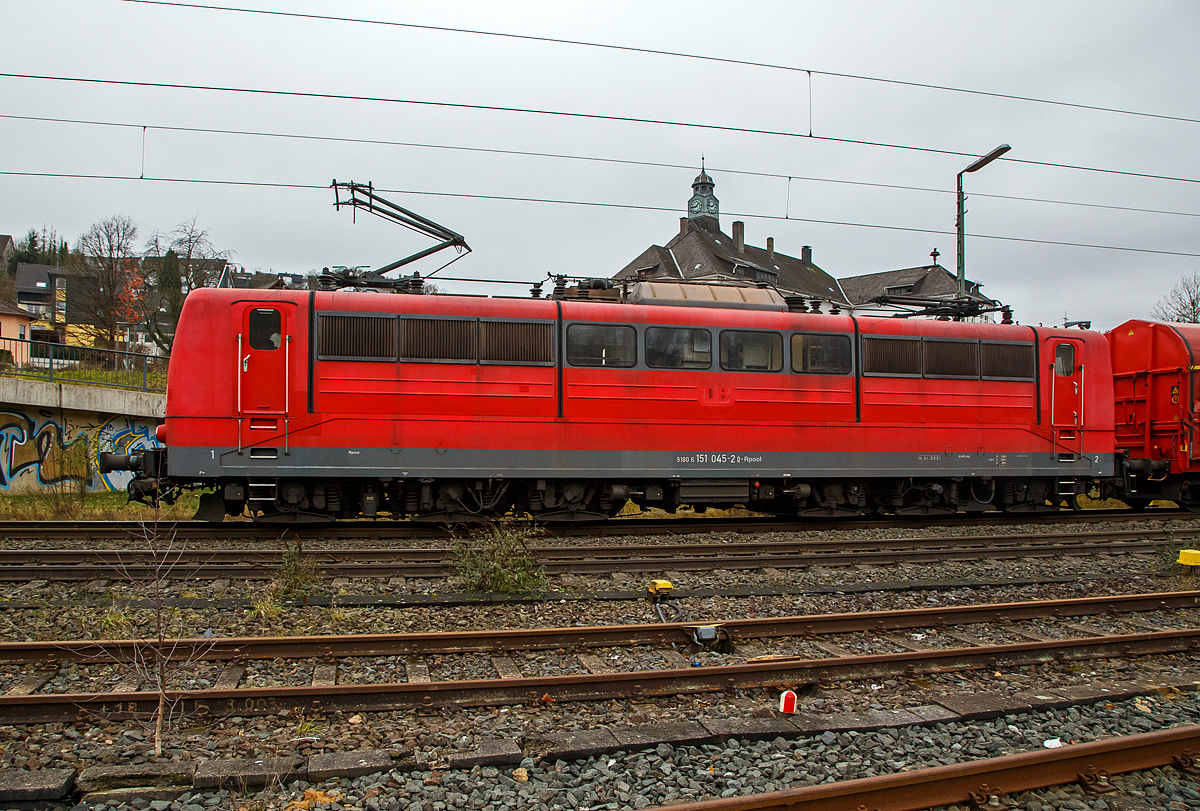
<point>231,276</point>
<point>14,335</point>
<point>42,292</point>
<point>701,253</point>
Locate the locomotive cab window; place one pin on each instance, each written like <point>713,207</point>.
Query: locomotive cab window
<point>601,345</point>
<point>1064,360</point>
<point>751,351</point>
<point>266,329</point>
<point>821,354</point>
<point>676,348</point>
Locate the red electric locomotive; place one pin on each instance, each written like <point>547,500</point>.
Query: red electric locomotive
<point>314,405</point>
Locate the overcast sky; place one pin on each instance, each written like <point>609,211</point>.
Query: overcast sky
<point>1133,56</point>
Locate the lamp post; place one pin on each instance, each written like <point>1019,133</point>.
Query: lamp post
<point>962,215</point>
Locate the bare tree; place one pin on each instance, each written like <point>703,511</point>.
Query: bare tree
<point>110,291</point>
<point>190,262</point>
<point>199,260</point>
<point>1182,304</point>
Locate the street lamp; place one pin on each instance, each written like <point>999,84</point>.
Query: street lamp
<point>962,214</point>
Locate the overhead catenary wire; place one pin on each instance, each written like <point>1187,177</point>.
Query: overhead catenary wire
<point>597,204</point>
<point>584,158</point>
<point>577,114</point>
<point>674,54</point>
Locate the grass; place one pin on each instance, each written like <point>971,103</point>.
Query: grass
<point>297,574</point>
<point>73,505</point>
<point>499,558</point>
<point>154,381</point>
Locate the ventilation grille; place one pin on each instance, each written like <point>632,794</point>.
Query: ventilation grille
<point>512,342</point>
<point>890,356</point>
<point>1008,360</point>
<point>438,339</point>
<point>951,358</point>
<point>357,337</point>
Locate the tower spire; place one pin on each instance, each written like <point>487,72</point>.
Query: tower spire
<point>703,203</point>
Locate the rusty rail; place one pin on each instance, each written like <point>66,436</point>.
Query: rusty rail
<point>48,708</point>
<point>396,530</point>
<point>490,641</point>
<point>976,782</point>
<point>200,564</point>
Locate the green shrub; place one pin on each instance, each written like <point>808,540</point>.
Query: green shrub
<point>499,558</point>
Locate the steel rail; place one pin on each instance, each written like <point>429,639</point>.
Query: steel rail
<point>17,557</point>
<point>490,641</point>
<point>178,566</point>
<point>393,530</point>
<point>63,707</point>
<point>976,782</point>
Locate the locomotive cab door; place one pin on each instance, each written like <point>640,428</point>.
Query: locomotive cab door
<point>1066,395</point>
<point>264,349</point>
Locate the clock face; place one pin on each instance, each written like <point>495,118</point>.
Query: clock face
<point>712,205</point>
<point>694,205</point>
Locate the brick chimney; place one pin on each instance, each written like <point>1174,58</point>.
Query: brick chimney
<point>806,254</point>
<point>683,221</point>
<point>739,236</point>
<point>771,247</point>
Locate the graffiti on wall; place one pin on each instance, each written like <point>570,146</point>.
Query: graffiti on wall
<point>44,448</point>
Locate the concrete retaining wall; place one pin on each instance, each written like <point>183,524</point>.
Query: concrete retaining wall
<point>51,434</point>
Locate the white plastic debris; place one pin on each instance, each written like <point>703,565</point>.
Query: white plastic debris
<point>1053,743</point>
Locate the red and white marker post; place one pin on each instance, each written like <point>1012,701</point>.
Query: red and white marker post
<point>787,701</point>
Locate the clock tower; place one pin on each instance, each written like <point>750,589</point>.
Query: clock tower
<point>703,203</point>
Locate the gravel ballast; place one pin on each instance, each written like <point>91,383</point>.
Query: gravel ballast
<point>622,780</point>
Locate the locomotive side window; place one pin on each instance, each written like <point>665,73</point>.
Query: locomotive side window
<point>266,329</point>
<point>751,351</point>
<point>515,342</point>
<point>1014,361</point>
<point>356,337</point>
<point>951,358</point>
<point>676,348</point>
<point>1064,360</point>
<point>601,345</point>
<point>891,356</point>
<point>438,339</point>
<point>821,354</point>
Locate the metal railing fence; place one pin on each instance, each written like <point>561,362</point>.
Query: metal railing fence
<point>65,363</point>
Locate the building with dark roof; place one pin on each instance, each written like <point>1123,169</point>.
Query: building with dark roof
<point>924,287</point>
<point>230,276</point>
<point>701,253</point>
<point>42,292</point>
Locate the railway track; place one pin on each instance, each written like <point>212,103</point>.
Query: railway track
<point>982,783</point>
<point>381,531</point>
<point>255,564</point>
<point>447,670</point>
